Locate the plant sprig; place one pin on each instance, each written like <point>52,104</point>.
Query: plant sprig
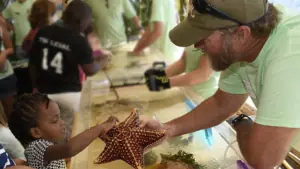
<point>183,157</point>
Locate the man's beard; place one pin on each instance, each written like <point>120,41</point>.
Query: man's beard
<point>224,58</point>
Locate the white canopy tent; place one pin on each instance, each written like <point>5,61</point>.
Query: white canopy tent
<point>288,3</point>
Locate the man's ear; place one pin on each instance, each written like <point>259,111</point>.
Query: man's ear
<point>36,133</point>
<point>244,33</point>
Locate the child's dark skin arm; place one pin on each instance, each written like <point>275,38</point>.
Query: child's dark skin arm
<point>19,167</point>
<point>79,142</point>
<point>19,162</point>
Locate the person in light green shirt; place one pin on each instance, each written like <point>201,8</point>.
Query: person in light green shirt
<point>204,78</point>
<point>256,45</point>
<point>192,69</point>
<point>164,17</point>
<point>18,12</point>
<point>108,20</point>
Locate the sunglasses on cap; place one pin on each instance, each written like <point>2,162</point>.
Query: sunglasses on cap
<point>106,3</point>
<point>202,6</point>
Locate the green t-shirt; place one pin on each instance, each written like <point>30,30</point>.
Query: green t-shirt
<point>108,19</point>
<point>19,12</point>
<point>272,80</point>
<point>192,62</point>
<point>165,11</point>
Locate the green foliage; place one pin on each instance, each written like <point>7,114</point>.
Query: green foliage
<point>182,157</point>
<point>143,9</point>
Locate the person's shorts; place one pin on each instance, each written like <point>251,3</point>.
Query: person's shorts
<point>8,86</point>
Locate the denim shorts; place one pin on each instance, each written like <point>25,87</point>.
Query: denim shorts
<point>8,86</point>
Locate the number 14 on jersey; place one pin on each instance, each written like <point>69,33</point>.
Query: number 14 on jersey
<point>56,62</point>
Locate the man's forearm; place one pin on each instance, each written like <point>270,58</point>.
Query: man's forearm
<point>147,39</point>
<point>191,78</point>
<point>136,20</point>
<point>243,130</point>
<point>176,68</point>
<point>206,115</point>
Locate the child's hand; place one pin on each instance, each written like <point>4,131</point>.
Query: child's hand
<point>107,125</point>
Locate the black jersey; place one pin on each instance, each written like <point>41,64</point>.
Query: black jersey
<point>56,53</point>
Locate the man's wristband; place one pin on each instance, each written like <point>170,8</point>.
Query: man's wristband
<point>239,119</point>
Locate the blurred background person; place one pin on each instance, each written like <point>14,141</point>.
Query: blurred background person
<point>42,14</point>
<point>192,69</point>
<point>108,21</point>
<point>164,17</point>
<point>17,15</point>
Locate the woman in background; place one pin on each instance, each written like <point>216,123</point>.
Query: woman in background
<point>42,14</point>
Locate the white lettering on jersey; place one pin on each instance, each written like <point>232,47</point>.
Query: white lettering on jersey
<point>55,44</point>
<point>59,45</point>
<point>43,40</point>
<point>57,61</point>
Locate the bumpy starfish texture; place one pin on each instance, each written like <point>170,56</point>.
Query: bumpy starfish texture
<point>127,142</point>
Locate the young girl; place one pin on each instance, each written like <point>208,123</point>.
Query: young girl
<point>36,122</point>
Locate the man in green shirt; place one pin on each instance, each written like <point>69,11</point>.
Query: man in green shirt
<point>164,17</point>
<point>18,12</point>
<point>256,44</point>
<point>108,20</point>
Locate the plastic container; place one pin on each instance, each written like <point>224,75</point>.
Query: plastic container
<point>165,106</point>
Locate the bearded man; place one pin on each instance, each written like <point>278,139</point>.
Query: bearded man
<point>257,46</point>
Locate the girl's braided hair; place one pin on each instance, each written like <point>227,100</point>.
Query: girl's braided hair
<point>25,116</point>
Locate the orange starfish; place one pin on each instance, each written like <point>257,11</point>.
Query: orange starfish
<point>127,142</point>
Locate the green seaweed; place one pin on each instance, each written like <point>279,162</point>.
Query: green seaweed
<point>182,157</point>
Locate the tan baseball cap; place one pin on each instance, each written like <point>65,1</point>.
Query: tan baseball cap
<point>198,26</point>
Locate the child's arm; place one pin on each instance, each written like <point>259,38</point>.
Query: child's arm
<point>19,162</point>
<point>78,143</point>
<point>6,36</point>
<point>3,56</point>
<point>195,77</point>
<point>19,167</point>
<point>176,68</point>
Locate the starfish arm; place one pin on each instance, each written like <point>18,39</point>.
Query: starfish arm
<point>132,153</point>
<point>109,154</point>
<point>132,120</point>
<point>147,138</point>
